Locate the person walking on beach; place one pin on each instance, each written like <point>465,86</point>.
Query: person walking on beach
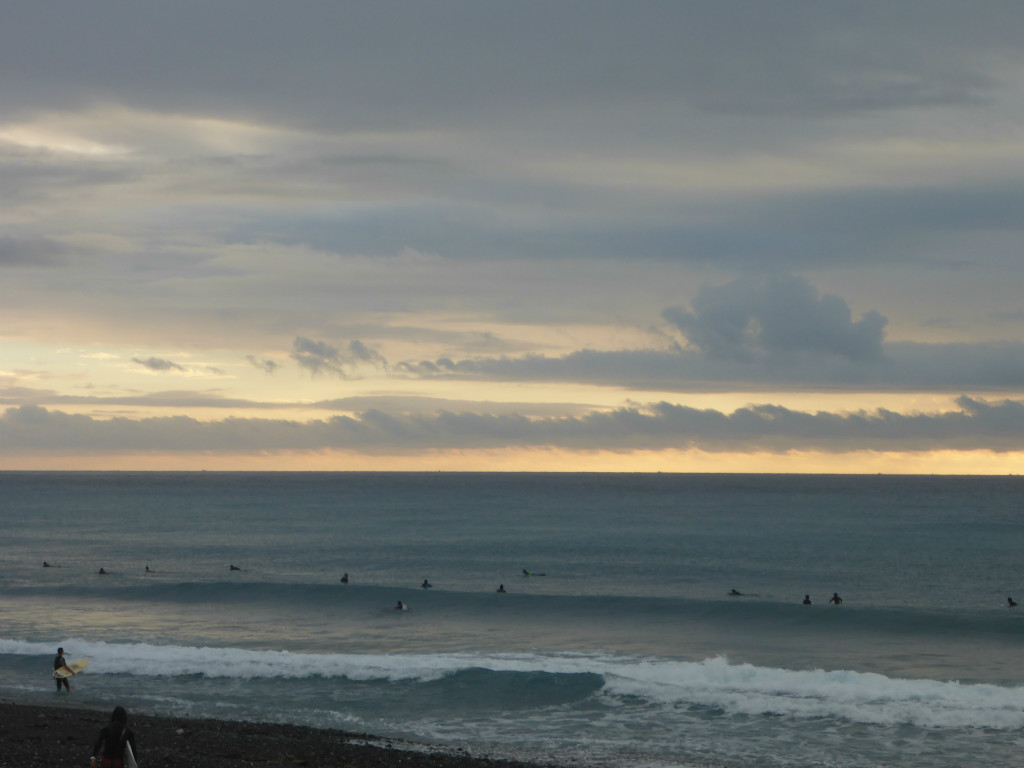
<point>59,662</point>
<point>114,740</point>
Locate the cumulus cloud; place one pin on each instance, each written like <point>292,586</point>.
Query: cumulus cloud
<point>319,357</point>
<point>772,316</point>
<point>755,333</point>
<point>978,424</point>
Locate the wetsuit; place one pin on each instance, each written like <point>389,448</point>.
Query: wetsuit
<point>59,662</point>
<point>112,740</point>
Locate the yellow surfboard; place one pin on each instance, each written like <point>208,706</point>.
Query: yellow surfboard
<point>70,669</point>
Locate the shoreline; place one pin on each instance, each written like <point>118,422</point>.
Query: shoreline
<point>62,736</point>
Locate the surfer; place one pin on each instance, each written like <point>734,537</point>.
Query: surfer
<point>59,662</point>
<point>835,599</point>
<point>148,570</point>
<point>501,587</point>
<point>114,739</point>
<point>102,572</point>
<point>400,606</point>
<point>1010,602</point>
<point>734,593</point>
<point>344,579</point>
<point>234,568</point>
<point>46,564</point>
<point>527,573</point>
<point>426,584</point>
<point>807,600</point>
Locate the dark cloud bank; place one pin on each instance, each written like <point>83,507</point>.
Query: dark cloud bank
<point>978,424</point>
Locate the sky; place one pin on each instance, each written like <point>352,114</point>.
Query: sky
<point>544,235</point>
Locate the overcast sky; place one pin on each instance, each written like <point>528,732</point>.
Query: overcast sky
<point>673,236</point>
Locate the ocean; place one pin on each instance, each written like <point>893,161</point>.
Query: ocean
<point>617,641</point>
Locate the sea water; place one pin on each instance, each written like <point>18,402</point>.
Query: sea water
<point>623,645</point>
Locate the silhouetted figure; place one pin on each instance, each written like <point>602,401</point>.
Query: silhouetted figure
<point>114,740</point>
<point>1010,602</point>
<point>807,600</point>
<point>59,662</point>
<point>344,579</point>
<point>835,599</point>
<point>501,587</point>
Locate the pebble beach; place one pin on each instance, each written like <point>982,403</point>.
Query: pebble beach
<point>62,736</point>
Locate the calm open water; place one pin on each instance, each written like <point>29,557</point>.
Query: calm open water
<point>622,648</point>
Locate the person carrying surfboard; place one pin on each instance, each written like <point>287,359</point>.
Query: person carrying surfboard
<point>117,741</point>
<point>59,662</point>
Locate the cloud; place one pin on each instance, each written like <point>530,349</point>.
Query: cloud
<point>159,365</point>
<point>904,367</point>
<point>755,333</point>
<point>780,59</point>
<point>268,366</point>
<point>183,399</point>
<point>189,400</point>
<point>38,251</point>
<point>978,424</point>
<point>319,357</point>
<point>776,316</point>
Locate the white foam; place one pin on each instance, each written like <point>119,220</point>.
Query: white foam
<point>854,696</point>
<point>713,683</point>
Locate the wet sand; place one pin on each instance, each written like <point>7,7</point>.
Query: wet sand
<point>63,736</point>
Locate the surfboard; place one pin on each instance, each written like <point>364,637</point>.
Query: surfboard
<point>70,669</point>
<point>129,757</point>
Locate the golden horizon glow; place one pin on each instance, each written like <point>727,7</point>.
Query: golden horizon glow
<point>982,462</point>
